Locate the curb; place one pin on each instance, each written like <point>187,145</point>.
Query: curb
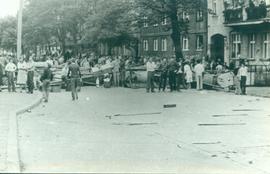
<point>13,155</point>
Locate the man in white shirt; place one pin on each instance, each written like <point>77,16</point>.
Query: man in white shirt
<point>150,68</point>
<point>10,71</point>
<point>243,72</point>
<point>199,70</point>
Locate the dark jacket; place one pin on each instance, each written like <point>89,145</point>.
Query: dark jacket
<point>46,75</point>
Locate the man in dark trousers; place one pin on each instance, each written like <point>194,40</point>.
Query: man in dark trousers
<point>46,79</point>
<point>74,74</point>
<point>163,68</point>
<point>172,69</point>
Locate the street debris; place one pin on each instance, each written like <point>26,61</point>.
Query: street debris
<point>169,106</point>
<point>250,162</point>
<point>140,124</point>
<point>29,111</point>
<point>133,124</point>
<point>214,156</point>
<point>223,124</point>
<point>229,115</point>
<point>246,110</point>
<point>108,116</point>
<point>179,146</point>
<point>205,143</point>
<point>137,114</point>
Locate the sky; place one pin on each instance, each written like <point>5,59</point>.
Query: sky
<point>8,7</point>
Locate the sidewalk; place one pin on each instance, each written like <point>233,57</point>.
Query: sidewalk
<point>259,91</point>
<point>10,102</point>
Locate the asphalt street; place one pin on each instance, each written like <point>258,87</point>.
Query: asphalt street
<point>129,130</point>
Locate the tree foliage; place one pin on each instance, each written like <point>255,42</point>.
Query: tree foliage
<point>156,10</point>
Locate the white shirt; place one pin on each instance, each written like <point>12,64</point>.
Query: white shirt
<point>199,69</point>
<point>243,71</point>
<point>10,67</point>
<point>150,66</point>
<point>22,66</point>
<point>187,69</point>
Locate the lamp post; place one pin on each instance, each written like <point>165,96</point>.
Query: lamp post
<point>19,31</point>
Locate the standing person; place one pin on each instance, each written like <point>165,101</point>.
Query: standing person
<point>243,72</point>
<point>122,72</point>
<point>199,70</point>
<point>46,78</point>
<point>10,71</point>
<point>150,68</point>
<point>22,74</point>
<point>236,80</point>
<point>74,74</point>
<point>163,68</point>
<point>180,78</point>
<point>115,70</point>
<point>188,75</point>
<point>30,75</point>
<point>1,75</point>
<point>172,69</point>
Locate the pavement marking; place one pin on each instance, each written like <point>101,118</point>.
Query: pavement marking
<point>230,115</point>
<point>223,124</point>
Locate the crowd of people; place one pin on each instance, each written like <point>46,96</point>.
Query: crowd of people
<point>161,72</point>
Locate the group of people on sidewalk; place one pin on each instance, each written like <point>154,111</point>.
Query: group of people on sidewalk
<point>178,73</point>
<point>25,74</point>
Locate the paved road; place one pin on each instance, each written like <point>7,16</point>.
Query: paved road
<point>9,102</point>
<point>124,130</point>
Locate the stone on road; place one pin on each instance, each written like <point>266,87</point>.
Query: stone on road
<point>127,130</point>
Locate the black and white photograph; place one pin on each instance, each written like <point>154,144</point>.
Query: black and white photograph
<point>135,86</point>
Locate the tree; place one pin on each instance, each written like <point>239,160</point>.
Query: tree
<point>171,10</point>
<point>8,32</point>
<point>112,22</point>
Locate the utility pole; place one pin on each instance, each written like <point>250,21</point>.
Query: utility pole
<point>19,31</point>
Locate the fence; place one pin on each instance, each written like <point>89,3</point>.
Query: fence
<point>259,75</point>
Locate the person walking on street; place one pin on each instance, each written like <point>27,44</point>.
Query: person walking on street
<point>243,72</point>
<point>172,69</point>
<point>199,70</point>
<point>163,68</point>
<point>30,75</point>
<point>188,75</point>
<point>22,74</point>
<point>46,79</point>
<point>150,68</point>
<point>74,74</point>
<point>10,71</point>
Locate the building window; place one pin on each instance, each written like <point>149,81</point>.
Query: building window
<point>164,20</point>
<point>164,45</point>
<point>266,44</point>
<point>185,16</point>
<point>155,45</point>
<point>145,21</point>
<point>236,44</point>
<point>214,6</point>
<point>199,16</point>
<point>267,2</point>
<point>252,43</point>
<point>185,43</point>
<point>199,42</point>
<point>145,45</point>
